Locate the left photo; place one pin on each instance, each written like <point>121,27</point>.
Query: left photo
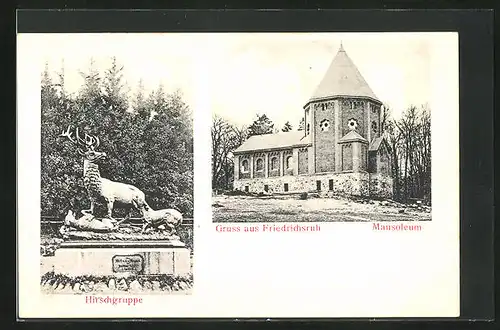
<point>116,166</point>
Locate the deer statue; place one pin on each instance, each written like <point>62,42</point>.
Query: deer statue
<point>99,187</point>
<point>88,223</point>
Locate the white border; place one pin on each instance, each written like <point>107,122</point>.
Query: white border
<point>346,270</point>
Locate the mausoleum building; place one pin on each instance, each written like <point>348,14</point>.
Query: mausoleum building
<point>341,149</point>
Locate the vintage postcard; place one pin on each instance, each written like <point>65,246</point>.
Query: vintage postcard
<point>262,175</point>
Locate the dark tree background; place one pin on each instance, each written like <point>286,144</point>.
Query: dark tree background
<point>409,140</point>
<point>226,137</point>
<point>148,140</point>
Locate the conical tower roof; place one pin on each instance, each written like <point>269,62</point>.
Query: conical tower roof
<point>342,79</point>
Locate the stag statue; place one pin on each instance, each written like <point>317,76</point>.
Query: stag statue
<point>99,187</point>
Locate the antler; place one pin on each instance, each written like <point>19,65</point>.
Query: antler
<point>89,142</point>
<point>69,134</point>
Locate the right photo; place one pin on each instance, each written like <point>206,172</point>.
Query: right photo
<point>322,128</point>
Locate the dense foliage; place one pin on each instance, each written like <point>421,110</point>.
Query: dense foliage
<point>147,138</point>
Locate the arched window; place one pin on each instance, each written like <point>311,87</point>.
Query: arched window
<point>244,165</point>
<point>260,164</point>
<point>274,163</point>
<point>289,162</point>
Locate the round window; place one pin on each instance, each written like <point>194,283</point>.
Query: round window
<point>324,125</point>
<point>352,124</point>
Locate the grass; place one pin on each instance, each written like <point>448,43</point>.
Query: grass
<point>293,209</point>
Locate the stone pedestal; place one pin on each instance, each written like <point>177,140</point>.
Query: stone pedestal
<point>122,258</point>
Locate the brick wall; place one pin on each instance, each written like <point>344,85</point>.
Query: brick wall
<point>274,164</point>
<point>258,165</point>
<point>384,166</point>
<point>372,161</point>
<point>346,157</point>
<point>324,117</point>
<point>375,117</point>
<point>303,161</point>
<point>363,166</point>
<point>353,108</point>
<point>286,154</point>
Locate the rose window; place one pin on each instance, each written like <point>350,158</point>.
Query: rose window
<point>352,124</point>
<point>324,125</point>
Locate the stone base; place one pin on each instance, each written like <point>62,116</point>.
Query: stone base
<point>126,233</point>
<point>122,258</point>
<point>352,184</point>
<point>381,186</point>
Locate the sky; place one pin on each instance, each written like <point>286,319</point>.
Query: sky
<point>245,74</point>
<point>154,58</point>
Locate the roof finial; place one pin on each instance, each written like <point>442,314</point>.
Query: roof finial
<point>341,49</point>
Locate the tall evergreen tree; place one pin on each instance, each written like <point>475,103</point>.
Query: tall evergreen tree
<point>287,127</point>
<point>261,125</point>
<point>301,125</point>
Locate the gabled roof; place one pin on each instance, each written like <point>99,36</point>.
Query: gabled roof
<point>342,79</point>
<point>351,137</point>
<point>274,141</point>
<point>376,143</point>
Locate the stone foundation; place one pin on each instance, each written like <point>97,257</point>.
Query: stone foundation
<point>381,186</point>
<point>353,184</point>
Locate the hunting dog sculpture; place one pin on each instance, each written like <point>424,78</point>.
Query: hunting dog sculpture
<point>99,187</point>
<point>166,217</point>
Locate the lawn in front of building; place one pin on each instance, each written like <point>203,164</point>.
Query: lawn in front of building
<point>279,209</point>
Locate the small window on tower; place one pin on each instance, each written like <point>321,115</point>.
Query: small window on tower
<point>324,125</point>
<point>352,124</point>
<point>308,129</point>
<point>374,126</point>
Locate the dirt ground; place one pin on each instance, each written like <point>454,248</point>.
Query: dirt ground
<point>278,209</point>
